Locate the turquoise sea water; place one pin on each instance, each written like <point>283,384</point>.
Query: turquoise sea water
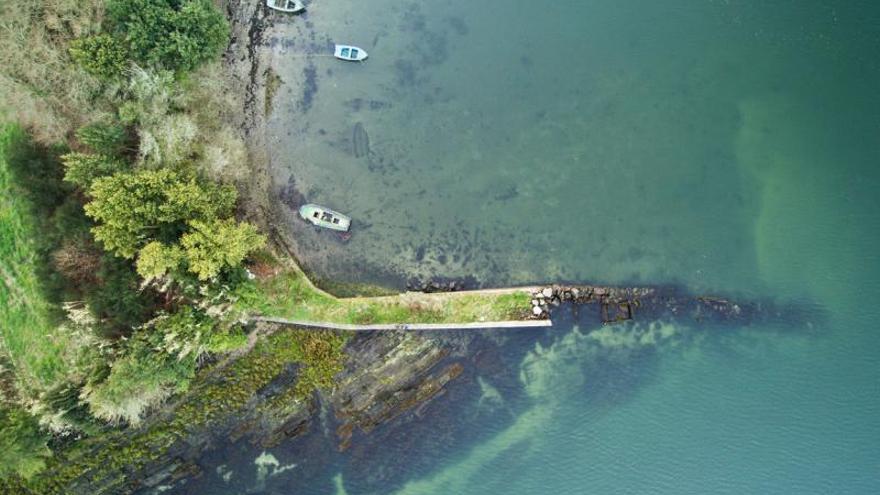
<point>731,146</point>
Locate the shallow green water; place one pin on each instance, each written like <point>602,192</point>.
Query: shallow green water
<point>732,146</point>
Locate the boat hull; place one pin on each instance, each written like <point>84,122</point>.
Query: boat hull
<point>291,7</point>
<point>325,217</point>
<point>349,53</point>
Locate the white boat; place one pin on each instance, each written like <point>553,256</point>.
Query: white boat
<point>351,53</point>
<point>325,217</point>
<point>290,6</point>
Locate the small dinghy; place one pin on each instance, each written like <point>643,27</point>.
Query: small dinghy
<point>351,53</point>
<point>290,6</point>
<point>325,217</point>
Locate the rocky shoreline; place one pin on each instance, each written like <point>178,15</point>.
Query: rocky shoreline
<point>388,381</point>
<point>389,378</point>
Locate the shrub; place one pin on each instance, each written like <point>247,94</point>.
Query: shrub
<point>185,333</point>
<point>101,55</point>
<point>39,86</point>
<point>220,149</point>
<point>149,96</point>
<point>168,141</point>
<point>78,260</point>
<point>175,34</point>
<point>117,299</point>
<point>22,443</point>
<point>63,410</point>
<point>158,361</point>
<point>139,380</point>
<point>104,138</point>
<point>81,169</point>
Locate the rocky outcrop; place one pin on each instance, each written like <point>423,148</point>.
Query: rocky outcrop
<point>439,284</point>
<point>387,375</point>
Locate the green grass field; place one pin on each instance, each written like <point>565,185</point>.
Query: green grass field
<point>27,329</point>
<point>289,294</point>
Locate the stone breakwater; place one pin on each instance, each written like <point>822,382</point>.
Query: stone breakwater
<point>616,304</point>
<point>619,304</point>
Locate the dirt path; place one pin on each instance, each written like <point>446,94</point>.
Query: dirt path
<point>390,327</point>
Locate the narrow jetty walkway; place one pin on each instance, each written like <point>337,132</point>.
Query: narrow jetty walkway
<point>480,325</point>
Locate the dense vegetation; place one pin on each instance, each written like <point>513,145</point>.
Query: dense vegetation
<point>122,265</point>
<point>120,251</point>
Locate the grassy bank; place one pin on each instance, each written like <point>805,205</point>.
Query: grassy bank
<point>27,330</point>
<point>289,294</point>
<point>27,338</point>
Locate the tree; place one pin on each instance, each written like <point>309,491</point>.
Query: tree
<point>103,138</point>
<point>174,34</point>
<point>81,169</point>
<point>135,208</point>
<point>210,247</point>
<point>101,55</point>
<point>117,299</point>
<point>156,259</point>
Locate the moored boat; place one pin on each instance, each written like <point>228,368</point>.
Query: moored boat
<point>325,217</point>
<point>290,6</point>
<point>350,53</point>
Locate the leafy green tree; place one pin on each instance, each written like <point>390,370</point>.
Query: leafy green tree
<point>104,138</point>
<point>135,208</point>
<point>212,246</point>
<point>81,169</point>
<point>156,259</point>
<point>101,55</point>
<point>22,443</point>
<point>174,34</point>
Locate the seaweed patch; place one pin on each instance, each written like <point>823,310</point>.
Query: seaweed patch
<point>310,88</point>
